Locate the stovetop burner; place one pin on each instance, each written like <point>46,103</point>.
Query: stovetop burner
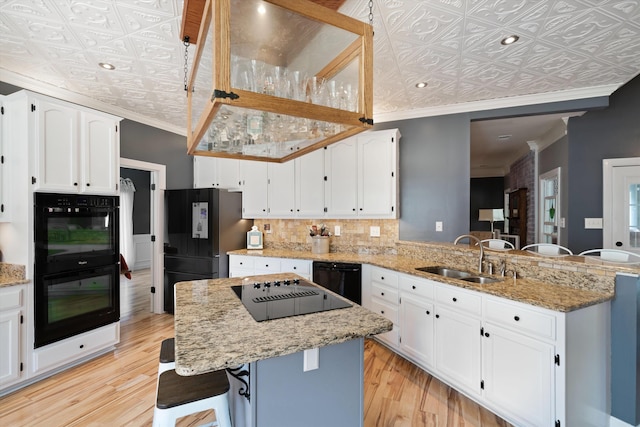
<point>286,298</point>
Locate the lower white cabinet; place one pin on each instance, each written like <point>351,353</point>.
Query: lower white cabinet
<point>72,349</point>
<point>529,365</point>
<point>248,265</point>
<point>12,301</point>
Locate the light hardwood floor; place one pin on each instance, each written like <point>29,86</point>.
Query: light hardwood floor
<point>118,388</point>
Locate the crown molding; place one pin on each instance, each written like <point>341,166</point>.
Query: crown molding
<point>493,104</point>
<point>75,98</point>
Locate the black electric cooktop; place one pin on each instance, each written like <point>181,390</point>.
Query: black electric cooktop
<point>286,298</point>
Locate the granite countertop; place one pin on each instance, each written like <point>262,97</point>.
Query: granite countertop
<point>213,329</point>
<point>12,274</point>
<point>544,294</point>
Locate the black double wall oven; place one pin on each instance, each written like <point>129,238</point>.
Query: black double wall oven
<point>77,282</point>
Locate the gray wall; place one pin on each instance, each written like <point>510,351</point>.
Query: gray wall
<point>486,193</point>
<point>613,132</point>
<point>557,156</point>
<point>434,176</point>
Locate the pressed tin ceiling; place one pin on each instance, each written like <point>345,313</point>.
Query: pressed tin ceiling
<point>567,49</point>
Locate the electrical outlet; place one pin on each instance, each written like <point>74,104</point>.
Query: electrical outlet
<point>438,225</point>
<point>374,231</point>
<point>593,223</point>
<point>336,230</point>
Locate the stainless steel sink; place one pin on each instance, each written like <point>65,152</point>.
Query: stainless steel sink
<point>480,279</point>
<point>458,274</point>
<point>445,271</point>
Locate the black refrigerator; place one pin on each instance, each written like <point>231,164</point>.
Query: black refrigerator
<point>201,226</point>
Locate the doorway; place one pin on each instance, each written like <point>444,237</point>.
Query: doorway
<point>156,221</point>
<point>621,204</point>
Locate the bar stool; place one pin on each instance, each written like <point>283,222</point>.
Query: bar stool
<point>178,396</point>
<point>167,355</point>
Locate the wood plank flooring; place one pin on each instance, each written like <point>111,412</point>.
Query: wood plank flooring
<point>118,388</point>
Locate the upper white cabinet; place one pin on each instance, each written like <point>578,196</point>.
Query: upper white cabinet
<point>341,187</point>
<point>72,149</point>
<point>4,171</point>
<point>281,189</point>
<point>255,187</point>
<point>216,172</point>
<point>362,176</point>
<point>309,185</point>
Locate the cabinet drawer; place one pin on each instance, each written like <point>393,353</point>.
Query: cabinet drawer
<point>416,286</point>
<point>265,264</point>
<point>299,266</point>
<point>384,276</point>
<point>384,309</point>
<point>11,298</point>
<point>237,262</point>
<point>522,319</point>
<point>384,293</point>
<point>459,299</point>
<point>75,348</point>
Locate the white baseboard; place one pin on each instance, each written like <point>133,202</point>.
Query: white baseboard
<point>614,422</point>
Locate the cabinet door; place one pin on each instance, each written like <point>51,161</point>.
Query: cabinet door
<point>281,196</point>
<point>204,172</point>
<point>457,347</point>
<point>10,348</point>
<point>341,186</point>
<point>228,173</point>
<point>100,154</point>
<point>254,189</point>
<point>4,173</point>
<point>416,329</point>
<point>57,147</point>
<point>377,174</point>
<point>518,374</point>
<point>310,185</point>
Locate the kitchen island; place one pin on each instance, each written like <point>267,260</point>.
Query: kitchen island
<point>300,370</point>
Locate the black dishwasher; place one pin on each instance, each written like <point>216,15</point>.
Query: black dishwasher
<point>340,277</point>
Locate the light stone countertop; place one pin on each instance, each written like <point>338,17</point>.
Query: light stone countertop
<point>547,294</point>
<point>12,274</point>
<point>213,329</point>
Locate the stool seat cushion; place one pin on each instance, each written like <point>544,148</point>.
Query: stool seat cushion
<point>176,390</point>
<point>168,350</point>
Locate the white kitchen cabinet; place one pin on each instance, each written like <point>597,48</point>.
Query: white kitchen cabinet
<point>247,265</point>
<point>12,334</point>
<point>255,187</point>
<point>281,189</point>
<point>341,187</point>
<point>72,149</point>
<point>4,168</point>
<point>75,348</point>
<point>216,172</point>
<point>309,185</point>
<point>100,151</point>
<point>383,299</point>
<point>362,174</point>
<point>518,375</point>
<point>417,319</point>
<point>377,174</point>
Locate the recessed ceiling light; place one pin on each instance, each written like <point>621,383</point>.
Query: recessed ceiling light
<point>262,10</point>
<point>509,40</point>
<point>421,85</point>
<point>107,66</point>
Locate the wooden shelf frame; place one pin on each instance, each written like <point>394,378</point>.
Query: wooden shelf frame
<point>215,19</point>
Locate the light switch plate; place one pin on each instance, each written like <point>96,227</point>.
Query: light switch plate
<point>438,225</point>
<point>593,223</point>
<point>374,231</point>
<point>336,230</point>
<point>311,359</point>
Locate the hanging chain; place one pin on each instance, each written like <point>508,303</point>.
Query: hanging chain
<point>186,60</point>
<point>371,12</point>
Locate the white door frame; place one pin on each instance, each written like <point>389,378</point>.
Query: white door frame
<point>159,178</point>
<point>553,173</point>
<point>607,195</point>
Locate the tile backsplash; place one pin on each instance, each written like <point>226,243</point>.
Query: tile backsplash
<point>293,234</point>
